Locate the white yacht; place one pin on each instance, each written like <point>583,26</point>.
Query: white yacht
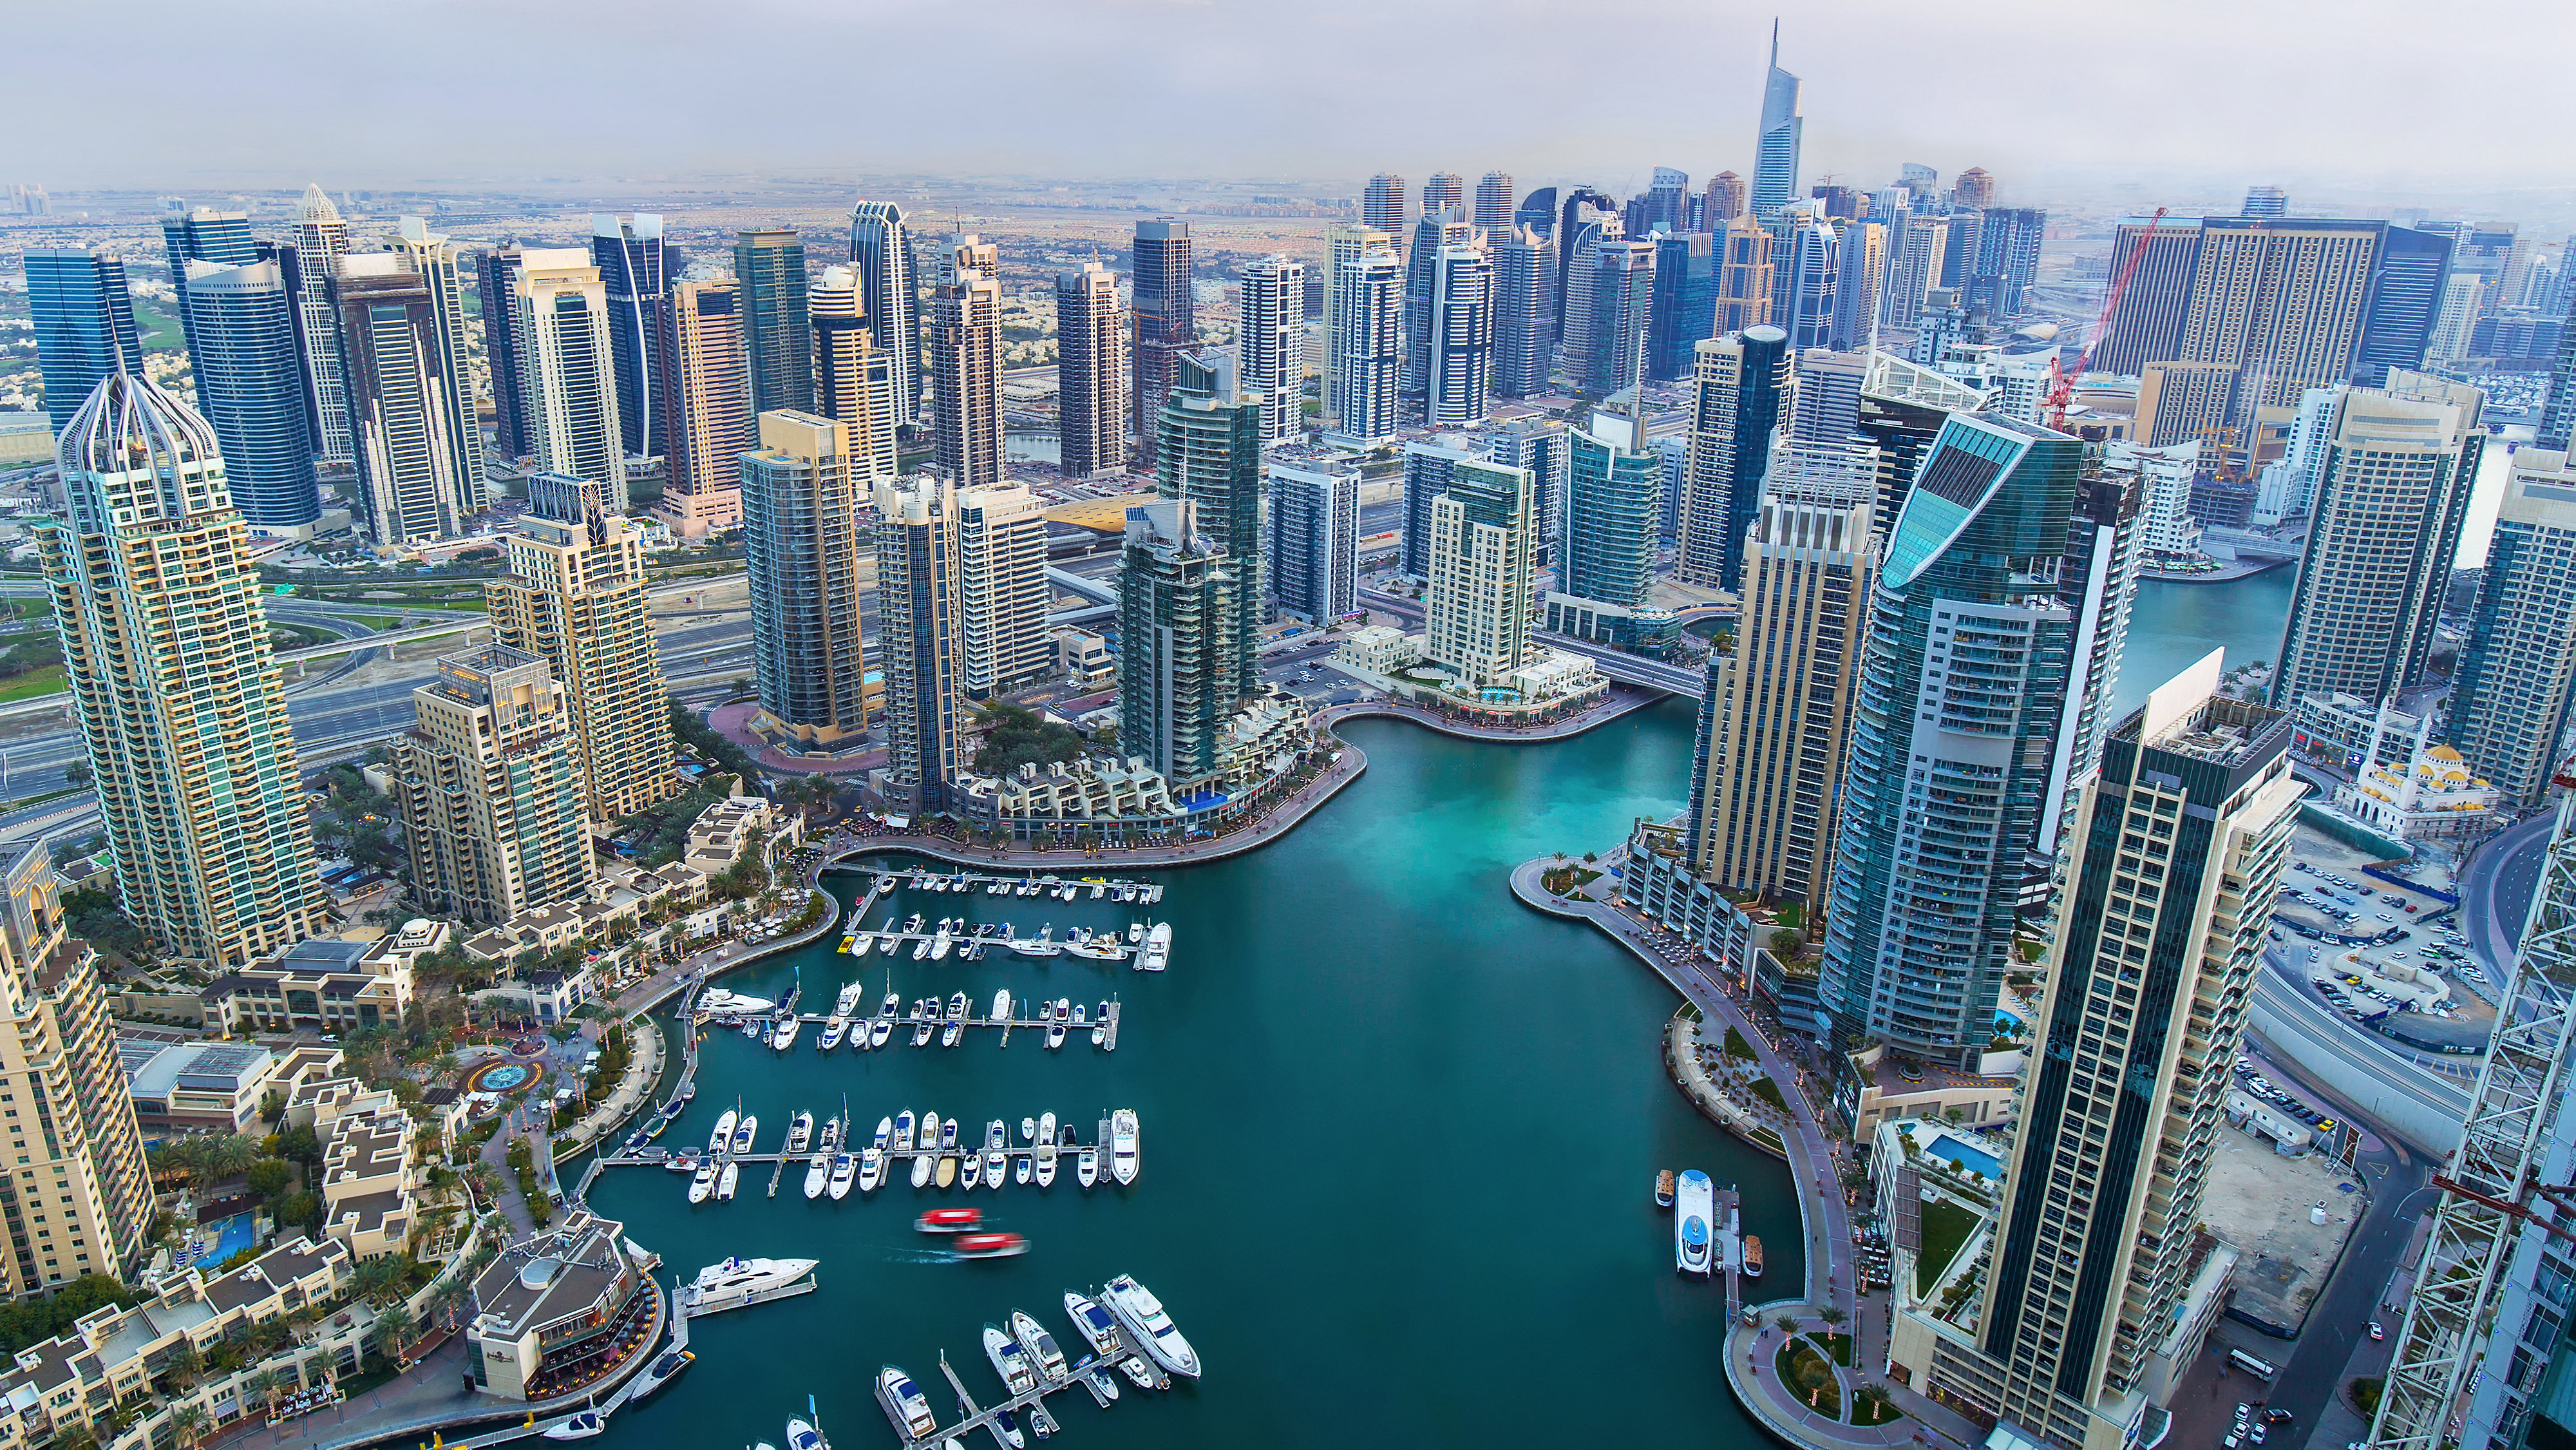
<point>902,1126</point>
<point>925,1022</point>
<point>847,1004</point>
<point>905,1404</point>
<point>1158,948</point>
<point>1043,944</point>
<point>1100,1026</point>
<point>746,1132</point>
<point>1045,1170</point>
<point>1056,1016</point>
<point>801,1435</point>
<point>1694,1211</point>
<point>1142,1316</point>
<point>1102,948</point>
<point>943,943</point>
<point>997,1139</point>
<point>818,1175</point>
<point>1046,1129</point>
<point>883,1026</point>
<point>718,1000</point>
<point>782,1035</point>
<point>703,1183</point>
<point>971,1176</point>
<point>581,1424</point>
<point>1093,1323</point>
<point>1002,1005</point>
<point>1086,1168</point>
<point>921,1169</point>
<point>1123,1163</point>
<point>1135,933</point>
<point>1099,888</point>
<point>956,1021</point>
<point>733,1282</point>
<point>1010,1361</point>
<point>726,1178</point>
<point>1024,1168</point>
<point>833,1030</point>
<point>722,1138</point>
<point>845,1170</point>
<point>1041,1345</point>
<point>800,1132</point>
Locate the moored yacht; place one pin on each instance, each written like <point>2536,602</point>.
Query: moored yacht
<point>1093,1323</point>
<point>1010,1361</point>
<point>703,1184</point>
<point>1148,1326</point>
<point>1086,1168</point>
<point>746,1132</point>
<point>783,1030</point>
<point>736,1280</point>
<point>818,1175</point>
<point>1694,1210</point>
<point>721,1140</point>
<point>800,1132</point>
<point>1041,1345</point>
<point>905,1404</point>
<point>1100,1026</point>
<point>834,1029</point>
<point>845,1169</point>
<point>946,940</point>
<point>902,1131</point>
<point>1124,1153</point>
<point>1001,1006</point>
<point>1158,948</point>
<point>726,1178</point>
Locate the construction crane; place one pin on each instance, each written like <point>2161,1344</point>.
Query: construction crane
<point>2061,381</point>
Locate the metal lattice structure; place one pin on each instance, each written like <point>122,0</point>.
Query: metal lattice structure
<point>2470,1251</point>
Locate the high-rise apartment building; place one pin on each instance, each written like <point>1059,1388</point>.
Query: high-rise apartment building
<point>2100,1297</point>
<point>1579,241</point>
<point>634,273</point>
<point>575,598</point>
<point>921,638</point>
<point>82,1203</point>
<point>1623,292</point>
<point>1383,206</point>
<point>2517,671</point>
<point>568,373</point>
<point>1363,336</point>
<point>2147,325</point>
<point>802,490</point>
<point>2392,494</point>
<point>1483,559</point>
<point>1458,355</point>
<point>1270,343</point>
<point>1914,268</point>
<point>1445,191</point>
<point>1766,782</point>
<point>1739,385</point>
<point>777,325</point>
<point>1743,278</point>
<point>1181,665</point>
<point>1539,445</point>
<point>854,379</point>
<point>1433,234</point>
<point>1775,145</point>
<point>1824,398</point>
<point>177,696</point>
<point>2007,258</point>
<point>1428,469</point>
<point>1961,688</point>
<point>1211,455</point>
<point>966,363</point>
<point>2266,202</point>
<point>1312,526</point>
<point>83,313</point>
<point>1524,329</point>
<point>1164,323</point>
<point>415,470</point>
<point>432,258</point>
<point>2285,303</point>
<point>1664,206</point>
<point>250,387</point>
<point>2097,581</point>
<point>705,406</point>
<point>2456,319</point>
<point>321,239</point>
<point>1806,279</point>
<point>2557,428</point>
<point>1901,411</point>
<point>881,252</point>
<point>1002,593</point>
<point>489,789</point>
<point>1684,303</point>
<point>1724,201</point>
<point>1090,372</point>
<point>1614,510</point>
<point>1974,189</point>
<point>496,284</point>
<point>1494,200</point>
<point>202,235</point>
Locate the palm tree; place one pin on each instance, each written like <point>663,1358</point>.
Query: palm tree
<point>393,1330</point>
<point>264,1385</point>
<point>189,1423</point>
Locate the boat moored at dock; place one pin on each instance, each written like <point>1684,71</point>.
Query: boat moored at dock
<point>736,1281</point>
<point>1694,1217</point>
<point>1148,1326</point>
<point>1752,1257</point>
<point>905,1405</point>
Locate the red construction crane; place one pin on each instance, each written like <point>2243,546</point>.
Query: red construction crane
<point>2061,381</point>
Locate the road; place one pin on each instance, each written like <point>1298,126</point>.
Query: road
<point>2496,895</point>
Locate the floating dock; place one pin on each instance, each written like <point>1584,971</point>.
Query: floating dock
<point>1017,1020</point>
<point>1095,888</point>
<point>1032,1400</point>
<point>871,942</point>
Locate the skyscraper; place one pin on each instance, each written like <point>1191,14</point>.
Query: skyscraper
<point>2391,496</point>
<point>1738,387</point>
<point>1767,780</point>
<point>414,469</point>
<point>854,379</point>
<point>2285,303</point>
<point>1524,331</point>
<point>2147,325</point>
<point>1002,593</point>
<point>1974,190</point>
<point>1623,291</point>
<point>1775,145</point>
<point>1445,191</point>
<point>2097,581</point>
<point>1613,512</point>
<point>705,406</point>
<point>634,274</point>
<point>1363,336</point>
<point>2007,258</point>
<point>1579,238</point>
<point>1384,208</point>
<point>489,789</point>
<point>1313,523</point>
<point>1538,445</point>
<point>921,636</point>
<point>250,387</point>
<point>1723,202</point>
<point>2510,697</point>
<point>84,320</point>
<point>63,1067</point>
<point>1090,372</point>
<point>1460,350</point>
<point>568,374</point>
<point>2405,301</point>
<point>1483,558</point>
<point>1824,398</point>
<point>497,285</point>
<point>431,257</point>
<point>1961,686</point>
<point>2263,202</point>
<point>1179,666</point>
<point>1806,282</point>
<point>575,598</point>
<point>1211,455</point>
<point>1164,323</point>
<point>2179,845</point>
<point>1859,284</point>
<point>1270,343</point>
<point>777,327</point>
<point>889,271</point>
<point>1494,200</point>
<point>1428,468</point>
<point>180,707</point>
<point>1914,268</point>
<point>1665,206</point>
<point>202,235</point>
<point>802,489</point>
<point>1684,303</point>
<point>1433,235</point>
<point>966,362</point>
<point>1743,278</point>
<point>321,239</point>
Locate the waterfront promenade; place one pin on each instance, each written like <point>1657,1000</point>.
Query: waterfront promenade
<point>1816,1161</point>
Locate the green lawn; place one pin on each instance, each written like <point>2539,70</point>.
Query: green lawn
<point>1769,1092</point>
<point>1837,1345</point>
<point>1802,1368</point>
<point>1946,1227</point>
<point>35,682</point>
<point>160,329</point>
<point>1736,1046</point>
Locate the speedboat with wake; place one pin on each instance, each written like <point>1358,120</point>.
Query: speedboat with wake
<point>991,1245</point>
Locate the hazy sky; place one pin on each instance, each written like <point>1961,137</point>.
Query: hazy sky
<point>2357,95</point>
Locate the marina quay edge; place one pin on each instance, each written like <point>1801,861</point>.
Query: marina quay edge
<point>868,726</point>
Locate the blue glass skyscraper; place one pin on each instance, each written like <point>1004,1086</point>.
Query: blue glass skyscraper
<point>1775,147</point>
<point>84,319</point>
<point>203,236</point>
<point>1614,512</point>
<point>635,270</point>
<point>1962,685</point>
<point>250,386</point>
<point>2405,296</point>
<point>1685,302</point>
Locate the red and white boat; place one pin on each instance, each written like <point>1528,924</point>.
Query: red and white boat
<point>991,1246</point>
<point>950,1221</point>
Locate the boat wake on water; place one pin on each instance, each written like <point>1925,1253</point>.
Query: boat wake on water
<point>909,1255</point>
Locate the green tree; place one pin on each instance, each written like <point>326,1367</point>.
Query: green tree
<point>268,1178</point>
<point>188,1422</point>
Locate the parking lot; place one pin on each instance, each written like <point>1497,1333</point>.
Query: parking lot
<point>2385,958</point>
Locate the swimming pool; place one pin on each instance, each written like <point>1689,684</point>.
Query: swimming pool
<point>1954,1149</point>
<point>223,1239</point>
